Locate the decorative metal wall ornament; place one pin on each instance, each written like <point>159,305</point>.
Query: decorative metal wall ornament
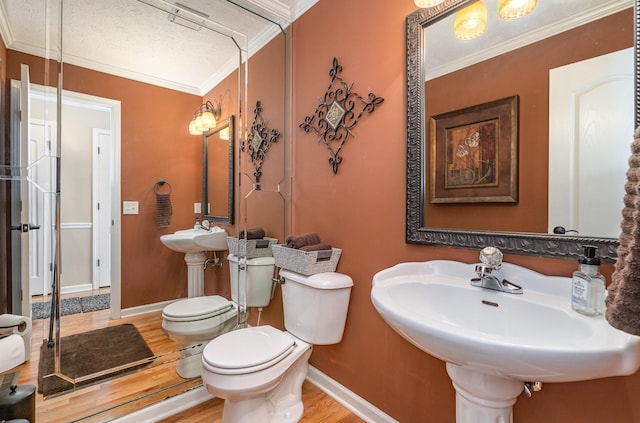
<point>334,117</point>
<point>258,141</point>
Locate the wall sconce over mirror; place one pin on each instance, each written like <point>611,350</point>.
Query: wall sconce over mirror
<point>204,118</point>
<point>218,173</point>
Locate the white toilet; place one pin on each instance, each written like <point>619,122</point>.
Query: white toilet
<point>259,370</point>
<point>192,322</point>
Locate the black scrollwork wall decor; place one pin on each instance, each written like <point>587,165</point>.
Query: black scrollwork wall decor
<point>337,114</point>
<point>258,141</point>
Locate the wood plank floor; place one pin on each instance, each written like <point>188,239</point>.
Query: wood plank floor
<point>110,399</point>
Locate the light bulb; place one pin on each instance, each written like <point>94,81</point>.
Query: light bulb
<point>192,128</point>
<point>470,22</point>
<point>514,9</point>
<point>427,3</point>
<point>199,126</point>
<point>208,120</point>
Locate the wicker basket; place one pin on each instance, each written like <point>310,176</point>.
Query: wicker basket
<point>306,262</point>
<point>254,247</point>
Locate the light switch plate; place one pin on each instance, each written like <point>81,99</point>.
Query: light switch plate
<point>197,208</point>
<point>129,207</point>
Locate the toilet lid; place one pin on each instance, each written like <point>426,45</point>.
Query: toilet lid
<point>197,308</point>
<point>248,350</point>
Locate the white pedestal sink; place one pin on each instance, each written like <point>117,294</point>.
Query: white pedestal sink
<point>194,244</point>
<point>493,342</point>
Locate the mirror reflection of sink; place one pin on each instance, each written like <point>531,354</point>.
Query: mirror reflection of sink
<point>190,241</point>
<point>194,244</point>
<point>491,338</point>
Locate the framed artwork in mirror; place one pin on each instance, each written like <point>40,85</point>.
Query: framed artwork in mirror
<point>474,154</point>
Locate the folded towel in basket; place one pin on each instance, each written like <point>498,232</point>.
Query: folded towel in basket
<point>297,241</point>
<point>316,247</point>
<point>252,233</point>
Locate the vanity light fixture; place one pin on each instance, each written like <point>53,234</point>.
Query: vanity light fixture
<point>514,9</point>
<point>427,3</point>
<point>204,118</point>
<point>471,21</point>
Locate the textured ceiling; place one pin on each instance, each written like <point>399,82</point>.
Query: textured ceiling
<point>136,38</point>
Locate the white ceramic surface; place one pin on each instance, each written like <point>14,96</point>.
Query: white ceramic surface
<point>530,337</point>
<point>190,241</point>
<point>213,240</point>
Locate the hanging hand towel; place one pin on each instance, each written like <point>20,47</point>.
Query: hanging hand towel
<point>163,205</point>
<point>623,299</point>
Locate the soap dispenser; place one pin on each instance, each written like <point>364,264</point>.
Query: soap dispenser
<point>588,285</point>
<point>197,226</point>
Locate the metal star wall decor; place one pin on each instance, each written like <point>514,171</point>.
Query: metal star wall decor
<point>335,116</point>
<point>259,139</point>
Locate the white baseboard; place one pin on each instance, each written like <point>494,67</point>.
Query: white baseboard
<point>167,408</point>
<point>178,403</point>
<point>354,403</point>
<point>147,308</point>
<point>76,288</point>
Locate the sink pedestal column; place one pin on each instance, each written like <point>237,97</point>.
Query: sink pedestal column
<point>483,398</point>
<point>195,273</point>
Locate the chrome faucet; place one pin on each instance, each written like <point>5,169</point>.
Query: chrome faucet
<point>490,275</point>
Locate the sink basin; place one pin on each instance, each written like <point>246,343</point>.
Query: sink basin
<point>482,333</point>
<point>190,241</point>
<point>213,240</point>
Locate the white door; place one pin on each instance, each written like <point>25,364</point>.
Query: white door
<point>24,191</point>
<point>39,174</point>
<point>101,208</point>
<point>590,123</point>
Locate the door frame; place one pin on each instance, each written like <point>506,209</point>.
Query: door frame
<point>114,107</point>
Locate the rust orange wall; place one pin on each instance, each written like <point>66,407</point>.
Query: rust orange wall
<point>362,210</point>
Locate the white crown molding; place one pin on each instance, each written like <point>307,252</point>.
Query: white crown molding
<point>5,30</point>
<point>300,7</point>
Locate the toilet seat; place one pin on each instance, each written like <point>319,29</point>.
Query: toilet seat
<point>196,308</point>
<point>248,350</point>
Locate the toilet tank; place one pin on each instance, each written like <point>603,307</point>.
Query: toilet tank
<point>259,280</point>
<point>315,307</point>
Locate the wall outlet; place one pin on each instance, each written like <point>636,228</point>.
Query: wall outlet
<point>197,208</point>
<point>129,207</point>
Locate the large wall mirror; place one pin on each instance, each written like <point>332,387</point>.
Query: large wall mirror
<point>217,172</point>
<point>520,58</point>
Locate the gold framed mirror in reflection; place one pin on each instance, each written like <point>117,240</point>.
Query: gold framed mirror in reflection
<point>520,70</point>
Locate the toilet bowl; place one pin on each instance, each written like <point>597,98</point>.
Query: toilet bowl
<point>193,322</point>
<point>259,371</point>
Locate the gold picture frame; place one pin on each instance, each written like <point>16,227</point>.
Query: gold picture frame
<point>474,154</point>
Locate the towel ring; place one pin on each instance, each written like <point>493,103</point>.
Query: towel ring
<point>159,184</point>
